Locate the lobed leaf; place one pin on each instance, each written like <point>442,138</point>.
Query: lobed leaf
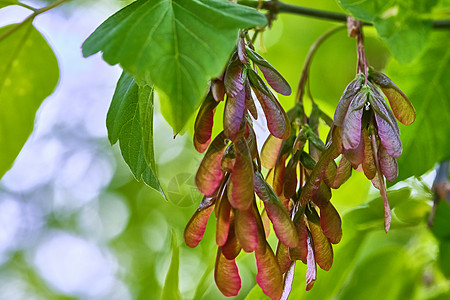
<point>29,73</point>
<point>176,45</point>
<point>124,125</point>
<point>411,29</point>
<point>195,228</point>
<point>403,25</point>
<point>425,81</point>
<point>226,275</point>
<point>146,100</point>
<point>209,174</point>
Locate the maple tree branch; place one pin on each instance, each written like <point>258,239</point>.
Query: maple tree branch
<point>320,14</point>
<point>30,18</point>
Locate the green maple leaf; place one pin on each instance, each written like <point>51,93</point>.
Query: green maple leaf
<point>4,3</point>
<point>28,74</point>
<point>133,128</point>
<point>175,45</point>
<point>425,142</point>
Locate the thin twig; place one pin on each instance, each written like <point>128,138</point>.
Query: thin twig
<point>311,52</point>
<point>321,14</point>
<point>30,18</point>
<point>26,6</point>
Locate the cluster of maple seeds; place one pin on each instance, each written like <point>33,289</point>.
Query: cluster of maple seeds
<point>364,135</point>
<point>366,132</point>
<point>230,175</point>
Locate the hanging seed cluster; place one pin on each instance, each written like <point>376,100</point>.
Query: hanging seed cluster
<point>229,175</point>
<point>366,132</point>
<point>301,169</point>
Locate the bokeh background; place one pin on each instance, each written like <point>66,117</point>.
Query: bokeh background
<point>74,223</point>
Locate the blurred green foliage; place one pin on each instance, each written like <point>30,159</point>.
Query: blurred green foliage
<point>28,74</point>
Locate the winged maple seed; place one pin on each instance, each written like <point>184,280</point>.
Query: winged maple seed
<point>236,85</point>
<point>366,132</point>
<point>290,168</point>
<point>296,192</point>
<point>229,174</point>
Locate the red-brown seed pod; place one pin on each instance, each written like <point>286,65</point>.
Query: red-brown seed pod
<point>195,228</point>
<point>323,250</point>
<point>226,275</point>
<point>209,174</point>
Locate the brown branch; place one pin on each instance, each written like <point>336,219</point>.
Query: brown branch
<point>321,14</point>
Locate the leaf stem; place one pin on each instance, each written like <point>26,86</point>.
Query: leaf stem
<point>30,18</point>
<point>321,14</point>
<point>27,6</point>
